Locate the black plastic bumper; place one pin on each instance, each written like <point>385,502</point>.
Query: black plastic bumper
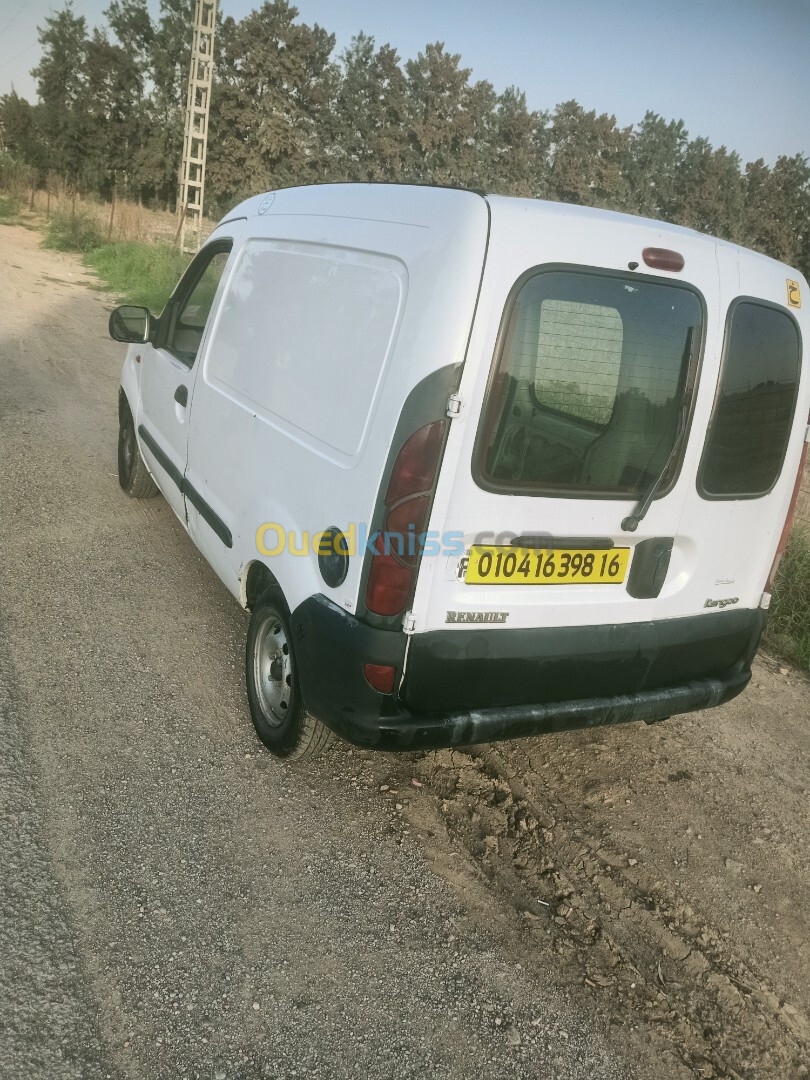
<point>636,672</point>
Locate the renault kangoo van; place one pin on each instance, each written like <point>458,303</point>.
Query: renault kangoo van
<point>479,467</point>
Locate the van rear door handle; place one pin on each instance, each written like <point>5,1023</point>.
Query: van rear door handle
<point>181,395</point>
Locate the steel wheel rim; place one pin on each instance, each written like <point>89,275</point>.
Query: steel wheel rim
<point>272,670</point>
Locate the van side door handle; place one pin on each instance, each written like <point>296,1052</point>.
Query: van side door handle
<point>181,395</point>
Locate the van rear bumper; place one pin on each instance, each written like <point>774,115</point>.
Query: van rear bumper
<point>332,646</point>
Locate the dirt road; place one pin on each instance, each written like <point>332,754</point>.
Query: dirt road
<point>176,903</point>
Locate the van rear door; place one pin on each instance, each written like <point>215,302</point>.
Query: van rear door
<point>601,390</point>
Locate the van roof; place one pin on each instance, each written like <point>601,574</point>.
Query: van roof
<point>406,203</point>
<point>559,210</point>
<point>419,203</point>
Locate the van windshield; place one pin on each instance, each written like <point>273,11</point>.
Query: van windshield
<point>590,383</point>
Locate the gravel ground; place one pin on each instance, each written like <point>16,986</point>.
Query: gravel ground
<point>41,976</point>
<point>175,902</point>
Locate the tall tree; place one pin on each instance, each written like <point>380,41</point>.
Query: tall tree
<point>60,85</point>
<point>20,134</point>
<point>449,120</point>
<point>777,207</point>
<point>112,118</point>
<point>709,191</point>
<point>147,172</point>
<point>160,52</point>
<point>655,154</point>
<point>368,140</point>
<point>587,155</point>
<point>518,161</point>
<point>269,121</point>
<point>132,25</point>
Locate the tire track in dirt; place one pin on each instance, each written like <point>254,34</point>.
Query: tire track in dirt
<point>625,932</point>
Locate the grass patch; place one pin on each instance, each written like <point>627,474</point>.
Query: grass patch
<point>69,231</point>
<point>789,622</point>
<point>142,274</point>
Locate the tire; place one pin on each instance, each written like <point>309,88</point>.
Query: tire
<point>133,476</point>
<point>276,706</point>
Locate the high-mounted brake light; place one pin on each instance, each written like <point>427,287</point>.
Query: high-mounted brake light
<point>783,539</point>
<point>663,259</point>
<point>407,502</point>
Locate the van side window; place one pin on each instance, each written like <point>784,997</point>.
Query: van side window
<point>189,316</point>
<point>755,402</point>
<point>590,385</point>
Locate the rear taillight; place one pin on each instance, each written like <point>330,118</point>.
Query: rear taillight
<point>415,467</point>
<point>783,539</point>
<point>389,583</point>
<point>403,525</point>
<point>407,505</point>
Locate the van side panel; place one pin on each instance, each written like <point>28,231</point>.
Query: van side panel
<point>327,324</point>
<point>304,338</point>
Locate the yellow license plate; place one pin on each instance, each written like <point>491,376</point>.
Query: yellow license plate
<point>541,566</point>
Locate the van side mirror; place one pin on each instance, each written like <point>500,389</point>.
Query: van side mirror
<point>131,324</point>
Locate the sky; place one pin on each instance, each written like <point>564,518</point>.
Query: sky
<point>735,71</point>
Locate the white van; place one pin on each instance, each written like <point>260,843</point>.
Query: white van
<point>479,467</point>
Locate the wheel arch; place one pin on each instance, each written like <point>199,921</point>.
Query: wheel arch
<point>257,577</point>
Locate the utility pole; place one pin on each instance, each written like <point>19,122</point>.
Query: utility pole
<point>195,139</point>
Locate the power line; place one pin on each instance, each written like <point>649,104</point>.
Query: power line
<point>27,48</point>
<point>25,4</point>
<point>15,16</point>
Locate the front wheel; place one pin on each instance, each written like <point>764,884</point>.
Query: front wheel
<point>133,475</point>
<point>276,706</point>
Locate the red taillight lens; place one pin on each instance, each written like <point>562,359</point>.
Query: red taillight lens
<point>663,259</point>
<point>408,505</point>
<point>415,467</point>
<point>783,539</point>
<point>389,583</point>
<point>402,528</point>
<point>380,677</point>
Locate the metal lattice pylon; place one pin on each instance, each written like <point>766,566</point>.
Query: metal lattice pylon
<point>195,140</point>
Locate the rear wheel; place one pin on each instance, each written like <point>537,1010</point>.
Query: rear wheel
<point>276,706</point>
<point>133,476</point>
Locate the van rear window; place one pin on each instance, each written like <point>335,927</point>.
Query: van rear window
<point>590,384</point>
<point>756,399</point>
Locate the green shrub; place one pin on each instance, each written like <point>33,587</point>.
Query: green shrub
<point>789,622</point>
<point>70,230</point>
<point>9,206</point>
<point>15,176</point>
<point>143,274</point>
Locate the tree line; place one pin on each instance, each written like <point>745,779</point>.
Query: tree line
<point>285,109</point>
